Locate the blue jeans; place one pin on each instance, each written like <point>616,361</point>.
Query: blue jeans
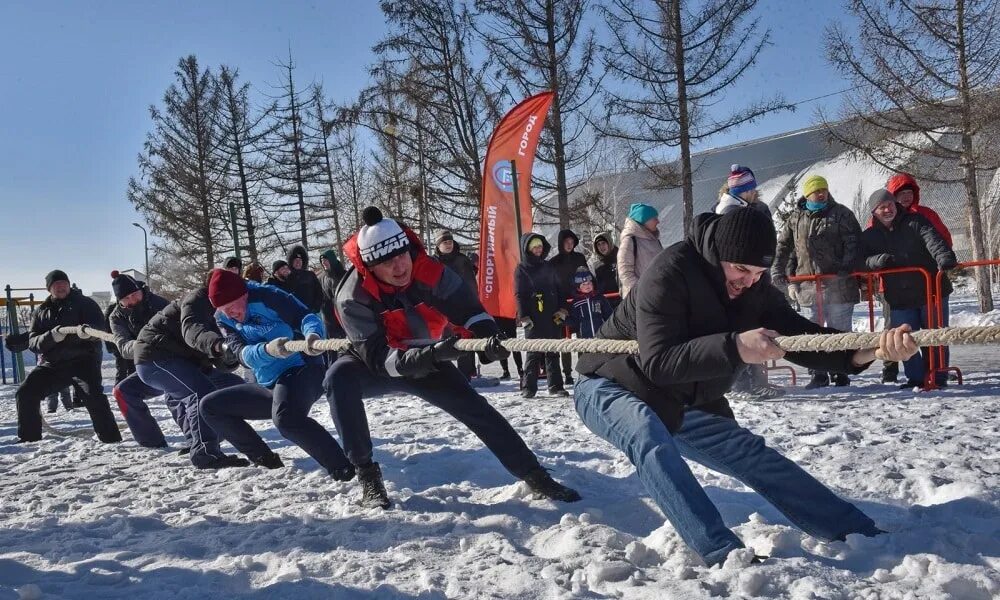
<point>183,381</point>
<point>916,367</point>
<point>837,316</point>
<point>287,404</point>
<point>618,416</point>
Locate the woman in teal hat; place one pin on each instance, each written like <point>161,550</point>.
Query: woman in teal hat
<point>638,245</point>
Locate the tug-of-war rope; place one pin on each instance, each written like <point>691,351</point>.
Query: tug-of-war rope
<point>830,342</point>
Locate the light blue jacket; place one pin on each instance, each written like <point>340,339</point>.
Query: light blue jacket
<point>271,313</point>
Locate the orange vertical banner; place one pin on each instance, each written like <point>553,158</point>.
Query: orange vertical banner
<point>515,138</point>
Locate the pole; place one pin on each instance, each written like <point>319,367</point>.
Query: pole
<point>236,229</point>
<point>145,245</point>
<point>517,207</point>
<point>16,358</point>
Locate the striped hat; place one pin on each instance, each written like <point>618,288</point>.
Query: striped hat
<point>741,180</point>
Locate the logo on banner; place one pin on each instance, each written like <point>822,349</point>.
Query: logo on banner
<point>503,176</point>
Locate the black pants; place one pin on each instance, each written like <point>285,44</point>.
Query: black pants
<point>529,381</point>
<point>85,375</point>
<point>287,405</point>
<point>567,365</point>
<point>508,327</point>
<point>467,364</point>
<point>348,381</point>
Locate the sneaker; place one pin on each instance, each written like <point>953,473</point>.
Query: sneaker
<point>819,380</point>
<point>766,392</point>
<point>373,494</point>
<point>841,380</point>
<point>224,462</point>
<point>344,473</point>
<point>268,461</point>
<point>541,482</point>
<point>559,393</point>
<point>528,393</point>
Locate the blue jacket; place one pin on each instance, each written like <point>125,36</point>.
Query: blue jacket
<point>588,314</point>
<point>271,313</point>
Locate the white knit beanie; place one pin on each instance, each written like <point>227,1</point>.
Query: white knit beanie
<point>379,238</point>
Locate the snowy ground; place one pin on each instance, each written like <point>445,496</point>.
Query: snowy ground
<point>82,520</point>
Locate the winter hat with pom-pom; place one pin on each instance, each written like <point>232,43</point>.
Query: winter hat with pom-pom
<point>123,285</point>
<point>380,238</point>
<point>741,179</point>
<point>224,287</point>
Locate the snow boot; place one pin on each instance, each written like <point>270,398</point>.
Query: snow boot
<point>268,461</point>
<point>841,380</point>
<point>527,394</point>
<point>542,483</point>
<point>505,376</point>
<point>344,473</point>
<point>890,372</point>
<point>819,380</point>
<point>373,494</point>
<point>223,462</point>
<point>559,393</point>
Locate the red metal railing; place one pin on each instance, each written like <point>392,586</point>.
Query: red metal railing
<point>939,351</point>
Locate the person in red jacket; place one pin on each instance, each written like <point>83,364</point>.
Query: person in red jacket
<point>907,192</point>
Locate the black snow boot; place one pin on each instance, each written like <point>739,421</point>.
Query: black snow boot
<point>841,380</point>
<point>224,462</point>
<point>373,494</point>
<point>268,461</point>
<point>541,482</point>
<point>819,380</point>
<point>344,473</point>
<point>890,372</point>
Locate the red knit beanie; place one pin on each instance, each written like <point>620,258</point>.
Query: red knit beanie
<point>224,287</point>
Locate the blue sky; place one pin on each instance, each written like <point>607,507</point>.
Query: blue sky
<point>77,78</point>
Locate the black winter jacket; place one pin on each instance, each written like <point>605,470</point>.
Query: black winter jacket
<point>461,264</point>
<point>605,266</point>
<point>74,309</point>
<point>567,263</point>
<point>588,313</point>
<point>303,283</point>
<point>686,327</point>
<point>912,242</point>
<point>329,279</point>
<point>186,328</point>
<point>126,324</point>
<point>537,290</point>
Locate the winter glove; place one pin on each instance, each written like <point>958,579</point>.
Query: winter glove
<point>560,316</point>
<point>276,348</point>
<point>881,261</point>
<point>416,362</point>
<point>311,340</point>
<point>779,280</point>
<point>83,334</point>
<point>445,351</point>
<point>494,350</point>
<point>228,361</point>
<point>526,322</point>
<point>57,334</point>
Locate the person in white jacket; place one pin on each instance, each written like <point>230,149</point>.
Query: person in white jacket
<point>638,245</point>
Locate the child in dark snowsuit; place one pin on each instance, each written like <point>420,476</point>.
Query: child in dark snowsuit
<point>590,309</point>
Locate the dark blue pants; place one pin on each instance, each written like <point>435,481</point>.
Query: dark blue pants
<point>287,404</point>
<point>183,381</point>
<point>131,395</point>
<point>916,367</point>
<point>348,381</point>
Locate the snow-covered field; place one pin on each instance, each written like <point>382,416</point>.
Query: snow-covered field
<point>82,520</point>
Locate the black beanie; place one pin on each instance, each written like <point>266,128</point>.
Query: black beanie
<point>55,276</point>
<point>277,265</point>
<point>232,261</point>
<point>746,236</point>
<point>123,285</point>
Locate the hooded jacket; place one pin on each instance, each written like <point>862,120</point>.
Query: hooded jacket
<point>303,283</point>
<point>270,314</point>
<point>825,241</point>
<point>913,241</point>
<point>902,180</point>
<point>383,321</point>
<point>605,266</point>
<point>75,309</point>
<point>461,264</point>
<point>687,325</point>
<point>729,202</point>
<point>329,279</point>
<point>126,323</point>
<point>185,329</point>
<point>537,290</point>
<point>567,263</point>
<point>637,247</point>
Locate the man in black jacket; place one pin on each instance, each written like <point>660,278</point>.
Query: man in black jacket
<point>180,351</point>
<point>329,279</point>
<point>449,252</point>
<point>700,313</point>
<point>899,238</point>
<point>66,360</point>
<point>567,262</point>
<point>401,309</point>
<point>279,275</point>
<point>301,282</point>
<point>135,305</point>
<point>540,310</point>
